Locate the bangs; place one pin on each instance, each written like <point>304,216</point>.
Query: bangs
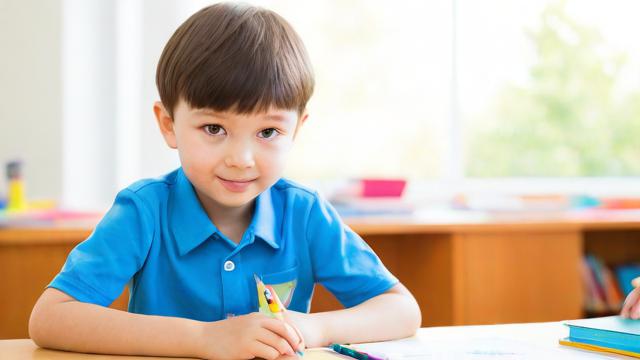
<point>248,61</point>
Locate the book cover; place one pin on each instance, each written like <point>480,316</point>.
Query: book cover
<point>612,332</point>
<point>567,342</point>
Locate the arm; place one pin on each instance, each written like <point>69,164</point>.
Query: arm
<point>391,315</point>
<point>59,321</point>
<point>346,266</point>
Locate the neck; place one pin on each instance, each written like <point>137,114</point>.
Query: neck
<point>231,221</point>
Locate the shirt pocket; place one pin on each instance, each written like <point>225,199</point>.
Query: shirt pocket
<point>283,283</point>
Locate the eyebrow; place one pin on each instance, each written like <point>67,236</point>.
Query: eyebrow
<point>276,117</point>
<point>210,112</point>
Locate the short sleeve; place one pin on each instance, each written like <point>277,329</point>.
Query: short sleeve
<point>342,261</point>
<point>97,270</point>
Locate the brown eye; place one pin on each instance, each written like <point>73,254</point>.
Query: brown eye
<point>214,130</point>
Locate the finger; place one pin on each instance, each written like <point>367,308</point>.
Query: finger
<point>264,351</point>
<point>629,302</point>
<point>626,305</point>
<point>282,329</point>
<point>634,296</point>
<point>630,308</point>
<point>272,339</point>
<point>288,357</point>
<point>301,345</point>
<point>634,311</point>
<point>625,310</point>
<point>636,282</point>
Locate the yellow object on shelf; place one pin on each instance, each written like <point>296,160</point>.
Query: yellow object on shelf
<point>16,199</point>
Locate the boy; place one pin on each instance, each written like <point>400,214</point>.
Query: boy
<point>234,81</point>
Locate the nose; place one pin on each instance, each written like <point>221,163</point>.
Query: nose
<point>240,155</point>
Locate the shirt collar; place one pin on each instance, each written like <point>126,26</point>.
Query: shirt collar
<point>189,222</point>
<point>264,224</point>
<point>191,225</point>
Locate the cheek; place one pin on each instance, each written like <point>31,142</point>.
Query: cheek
<point>196,152</point>
<point>273,158</point>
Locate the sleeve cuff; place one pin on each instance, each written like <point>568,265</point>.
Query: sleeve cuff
<point>79,290</point>
<point>378,288</point>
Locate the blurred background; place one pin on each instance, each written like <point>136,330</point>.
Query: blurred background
<point>497,143</point>
<point>452,94</point>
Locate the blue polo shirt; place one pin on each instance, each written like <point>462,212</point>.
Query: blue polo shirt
<point>158,239</point>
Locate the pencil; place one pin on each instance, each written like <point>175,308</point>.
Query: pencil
<point>270,302</point>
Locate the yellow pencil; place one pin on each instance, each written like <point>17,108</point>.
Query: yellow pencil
<point>270,303</point>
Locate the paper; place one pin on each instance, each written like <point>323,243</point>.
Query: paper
<point>466,348</point>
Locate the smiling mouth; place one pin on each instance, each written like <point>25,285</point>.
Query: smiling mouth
<point>237,181</point>
<point>236,186</point>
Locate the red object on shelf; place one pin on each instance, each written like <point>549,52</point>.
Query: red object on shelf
<point>621,203</point>
<point>383,187</point>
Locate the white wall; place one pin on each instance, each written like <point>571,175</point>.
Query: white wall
<point>89,105</point>
<point>110,52</point>
<point>30,93</point>
<point>77,85</point>
<point>159,20</point>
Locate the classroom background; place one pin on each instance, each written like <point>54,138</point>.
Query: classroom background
<point>488,151</point>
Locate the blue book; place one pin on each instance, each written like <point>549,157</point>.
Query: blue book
<point>611,333</point>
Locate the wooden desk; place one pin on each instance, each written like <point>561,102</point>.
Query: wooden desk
<point>515,341</point>
<point>27,349</point>
<point>463,268</point>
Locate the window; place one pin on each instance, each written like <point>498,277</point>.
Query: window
<point>550,88</point>
<point>431,91</point>
<point>382,97</point>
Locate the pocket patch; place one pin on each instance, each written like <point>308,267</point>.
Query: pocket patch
<point>283,283</point>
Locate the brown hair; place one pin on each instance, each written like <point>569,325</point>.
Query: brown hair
<point>236,57</point>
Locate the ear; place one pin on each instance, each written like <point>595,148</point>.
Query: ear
<point>301,121</point>
<point>165,123</point>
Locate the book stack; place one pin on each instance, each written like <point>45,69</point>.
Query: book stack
<point>371,197</point>
<point>611,334</point>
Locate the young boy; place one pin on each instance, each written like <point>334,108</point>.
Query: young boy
<point>234,81</point>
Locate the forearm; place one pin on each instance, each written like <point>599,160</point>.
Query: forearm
<point>388,316</point>
<point>81,327</point>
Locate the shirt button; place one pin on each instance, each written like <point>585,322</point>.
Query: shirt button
<point>229,265</point>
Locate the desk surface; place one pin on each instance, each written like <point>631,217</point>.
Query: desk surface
<point>513,341</point>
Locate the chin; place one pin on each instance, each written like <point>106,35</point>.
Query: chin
<point>237,201</point>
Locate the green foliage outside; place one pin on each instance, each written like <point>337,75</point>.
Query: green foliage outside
<point>572,119</point>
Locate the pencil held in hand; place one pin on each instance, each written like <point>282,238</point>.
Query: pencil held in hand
<point>269,303</point>
<point>263,307</point>
<point>273,301</point>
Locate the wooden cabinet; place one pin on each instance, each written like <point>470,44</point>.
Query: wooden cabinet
<point>468,272</point>
<point>29,259</point>
<point>486,277</point>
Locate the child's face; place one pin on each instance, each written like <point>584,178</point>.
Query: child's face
<point>229,158</point>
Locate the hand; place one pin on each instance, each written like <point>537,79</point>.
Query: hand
<point>309,327</point>
<point>247,337</point>
<point>631,306</point>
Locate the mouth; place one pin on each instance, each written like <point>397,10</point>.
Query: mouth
<point>236,185</point>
